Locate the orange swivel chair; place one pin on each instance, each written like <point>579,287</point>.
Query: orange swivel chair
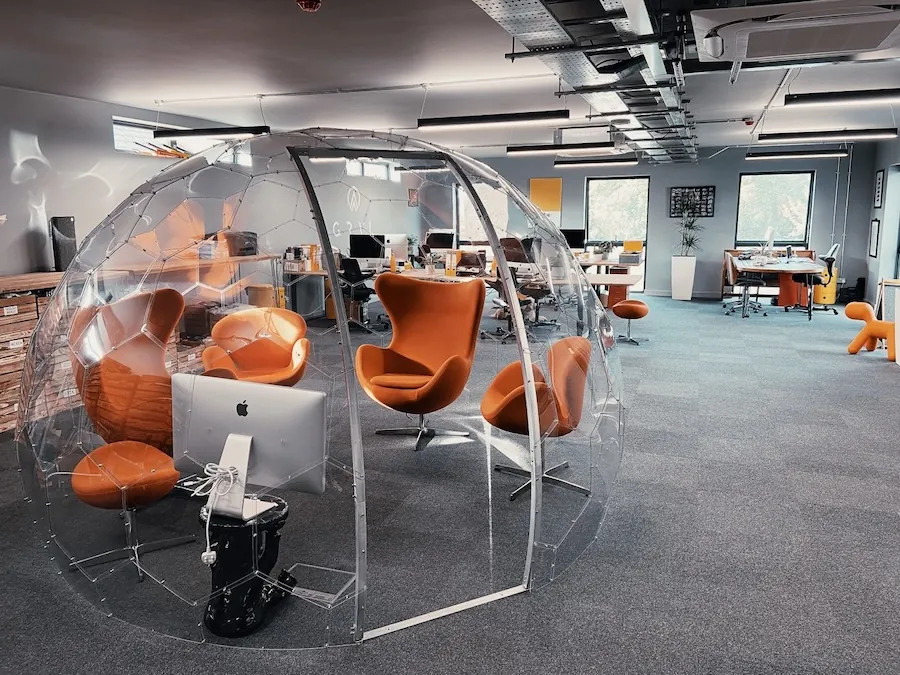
<point>263,344</point>
<point>427,363</point>
<point>560,402</point>
<point>873,330</point>
<point>631,310</point>
<point>119,363</point>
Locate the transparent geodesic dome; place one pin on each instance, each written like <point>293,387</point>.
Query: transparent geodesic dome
<point>322,223</point>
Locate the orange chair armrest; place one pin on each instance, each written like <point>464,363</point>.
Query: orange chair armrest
<point>214,357</point>
<point>372,361</point>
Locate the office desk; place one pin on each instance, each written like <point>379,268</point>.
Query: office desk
<point>789,293</point>
<point>599,261</point>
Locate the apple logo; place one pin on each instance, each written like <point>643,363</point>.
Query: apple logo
<point>242,409</point>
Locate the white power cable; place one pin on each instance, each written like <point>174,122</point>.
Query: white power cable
<point>216,477</point>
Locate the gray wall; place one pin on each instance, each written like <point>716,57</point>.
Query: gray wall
<point>57,159</point>
<point>724,172</point>
<point>887,157</point>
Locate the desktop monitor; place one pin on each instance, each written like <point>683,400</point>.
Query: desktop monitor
<point>286,425</point>
<point>574,238</point>
<point>367,246</point>
<point>439,240</point>
<point>770,241</point>
<point>398,245</point>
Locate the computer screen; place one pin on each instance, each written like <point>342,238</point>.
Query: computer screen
<point>287,427</point>
<point>574,238</point>
<point>439,240</point>
<point>366,245</point>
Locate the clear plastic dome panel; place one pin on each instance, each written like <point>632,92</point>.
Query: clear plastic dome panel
<point>442,401</point>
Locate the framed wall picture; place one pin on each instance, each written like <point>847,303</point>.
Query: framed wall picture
<point>413,199</point>
<point>873,237</point>
<point>879,189</point>
<point>703,197</point>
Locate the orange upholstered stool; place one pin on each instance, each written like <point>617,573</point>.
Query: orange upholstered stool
<point>125,475</point>
<point>630,310</point>
<point>873,331</point>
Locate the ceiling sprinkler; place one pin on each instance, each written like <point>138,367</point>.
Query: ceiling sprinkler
<point>309,5</point>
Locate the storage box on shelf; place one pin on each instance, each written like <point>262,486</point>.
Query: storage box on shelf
<point>18,318</point>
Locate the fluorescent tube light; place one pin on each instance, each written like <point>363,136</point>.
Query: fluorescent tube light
<point>628,160</point>
<point>505,119</point>
<point>797,154</point>
<point>836,136</point>
<point>223,133</point>
<point>861,97</point>
<point>559,148</point>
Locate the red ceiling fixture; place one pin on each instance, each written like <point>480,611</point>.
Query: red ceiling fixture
<point>309,5</point>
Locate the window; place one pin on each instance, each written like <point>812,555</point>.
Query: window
<point>781,201</point>
<point>375,170</point>
<point>617,209</point>
<point>469,225</point>
<point>354,167</point>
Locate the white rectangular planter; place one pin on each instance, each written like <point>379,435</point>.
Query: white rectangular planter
<point>683,267</point>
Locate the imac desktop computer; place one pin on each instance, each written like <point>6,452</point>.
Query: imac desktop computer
<point>368,249</point>
<point>273,436</point>
<point>398,244</point>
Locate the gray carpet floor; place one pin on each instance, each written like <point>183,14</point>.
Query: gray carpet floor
<point>753,529</point>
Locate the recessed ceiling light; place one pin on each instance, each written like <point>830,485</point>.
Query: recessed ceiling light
<point>797,154</point>
<point>862,97</point>
<point>504,119</point>
<point>828,136</point>
<point>626,160</point>
<point>559,148</point>
<point>223,133</point>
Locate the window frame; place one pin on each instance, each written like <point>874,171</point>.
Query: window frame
<point>587,208</point>
<point>745,243</point>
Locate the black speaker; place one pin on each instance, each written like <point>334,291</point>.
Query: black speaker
<point>62,235</point>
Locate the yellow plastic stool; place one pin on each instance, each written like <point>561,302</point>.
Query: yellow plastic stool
<point>826,295</point>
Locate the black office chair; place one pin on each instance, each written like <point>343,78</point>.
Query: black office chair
<point>471,264</point>
<point>813,280</point>
<point>744,282</point>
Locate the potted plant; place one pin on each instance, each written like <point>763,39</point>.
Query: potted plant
<point>684,264</point>
<point>604,248</point>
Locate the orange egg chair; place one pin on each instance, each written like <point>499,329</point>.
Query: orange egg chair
<point>426,366</point>
<point>873,330</point>
<point>560,404</point>
<point>263,344</point>
<point>118,356</point>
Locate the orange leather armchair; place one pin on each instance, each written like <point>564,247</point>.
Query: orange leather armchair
<point>264,344</point>
<point>426,366</point>
<point>127,391</point>
<point>560,403</point>
<point>118,355</point>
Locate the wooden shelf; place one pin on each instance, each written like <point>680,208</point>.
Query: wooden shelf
<point>36,281</point>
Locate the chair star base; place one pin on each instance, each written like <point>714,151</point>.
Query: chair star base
<point>422,433</point>
<point>548,478</point>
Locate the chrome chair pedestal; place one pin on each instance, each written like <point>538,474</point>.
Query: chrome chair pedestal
<point>422,433</point>
<point>548,479</point>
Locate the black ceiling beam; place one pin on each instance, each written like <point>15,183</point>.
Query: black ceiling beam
<point>613,88</point>
<point>619,45</point>
<point>624,69</point>
<point>638,114</point>
<point>609,17</point>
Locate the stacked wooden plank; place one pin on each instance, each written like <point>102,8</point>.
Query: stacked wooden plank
<point>18,317</point>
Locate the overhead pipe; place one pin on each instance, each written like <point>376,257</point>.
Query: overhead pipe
<point>846,206</point>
